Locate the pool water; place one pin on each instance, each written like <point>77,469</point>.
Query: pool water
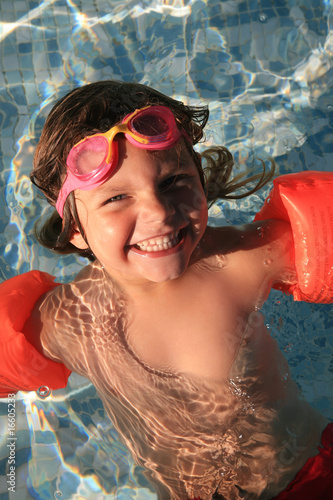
<point>265,70</point>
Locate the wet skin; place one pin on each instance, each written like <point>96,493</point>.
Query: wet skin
<point>221,271</point>
<point>152,196</point>
<point>166,319</point>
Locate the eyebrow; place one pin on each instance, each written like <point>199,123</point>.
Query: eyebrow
<point>106,189</point>
<point>176,158</point>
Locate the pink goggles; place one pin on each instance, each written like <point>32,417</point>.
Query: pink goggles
<point>93,160</point>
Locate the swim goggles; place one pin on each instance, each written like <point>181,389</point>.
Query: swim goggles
<point>93,160</point>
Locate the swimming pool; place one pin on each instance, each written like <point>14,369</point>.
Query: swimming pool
<point>265,69</point>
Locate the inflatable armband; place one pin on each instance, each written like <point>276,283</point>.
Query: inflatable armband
<point>305,200</point>
<point>22,367</point>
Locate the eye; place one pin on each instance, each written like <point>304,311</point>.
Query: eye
<point>173,179</point>
<point>119,197</point>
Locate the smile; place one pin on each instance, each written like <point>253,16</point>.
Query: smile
<point>160,243</point>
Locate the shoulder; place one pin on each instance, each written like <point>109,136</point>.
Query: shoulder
<point>53,309</point>
<point>256,255</point>
<point>256,237</point>
<point>77,291</point>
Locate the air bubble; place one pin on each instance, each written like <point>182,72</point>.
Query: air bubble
<point>58,494</point>
<point>288,347</point>
<point>329,107</point>
<point>287,146</point>
<point>267,262</point>
<point>263,17</point>
<point>43,391</point>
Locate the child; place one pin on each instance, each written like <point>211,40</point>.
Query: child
<point>164,321</point>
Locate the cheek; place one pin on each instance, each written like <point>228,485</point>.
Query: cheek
<point>192,204</point>
<point>112,232</point>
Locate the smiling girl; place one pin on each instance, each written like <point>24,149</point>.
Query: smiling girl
<point>164,321</point>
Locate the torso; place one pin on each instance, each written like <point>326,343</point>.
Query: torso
<point>191,369</point>
<point>180,328</point>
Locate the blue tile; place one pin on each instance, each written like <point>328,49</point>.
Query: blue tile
<point>120,50</point>
<point>26,61</point>
<point>25,48</point>
<point>55,59</point>
<point>13,77</point>
<point>126,66</point>
<point>243,7</point>
<point>233,21</point>
<point>28,75</point>
<point>36,21</point>
<point>282,12</point>
<point>18,93</point>
<point>9,49</point>
<point>97,63</point>
<point>52,45</point>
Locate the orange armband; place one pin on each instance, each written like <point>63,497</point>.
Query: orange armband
<point>305,199</point>
<point>22,367</point>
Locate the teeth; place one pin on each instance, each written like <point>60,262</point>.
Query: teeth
<point>160,243</point>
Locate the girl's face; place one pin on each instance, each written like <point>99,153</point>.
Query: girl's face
<point>145,221</point>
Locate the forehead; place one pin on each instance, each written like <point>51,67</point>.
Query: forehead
<point>180,153</point>
<point>135,166</point>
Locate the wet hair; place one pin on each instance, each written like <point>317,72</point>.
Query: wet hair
<point>95,108</point>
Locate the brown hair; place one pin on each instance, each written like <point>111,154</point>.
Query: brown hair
<point>95,108</point>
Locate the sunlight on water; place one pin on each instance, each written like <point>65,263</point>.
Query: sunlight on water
<point>76,451</point>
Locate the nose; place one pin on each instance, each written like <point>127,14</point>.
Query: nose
<point>156,207</point>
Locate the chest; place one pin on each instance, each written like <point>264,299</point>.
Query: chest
<point>195,330</point>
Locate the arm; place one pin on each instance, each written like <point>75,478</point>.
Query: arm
<point>305,200</point>
<point>22,364</point>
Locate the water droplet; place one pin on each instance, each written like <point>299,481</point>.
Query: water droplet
<point>240,436</point>
<point>260,231</point>
<point>263,17</point>
<point>43,391</point>
<point>329,107</point>
<point>285,376</point>
<point>58,494</point>
<point>267,262</point>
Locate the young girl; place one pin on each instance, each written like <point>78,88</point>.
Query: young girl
<point>164,321</point>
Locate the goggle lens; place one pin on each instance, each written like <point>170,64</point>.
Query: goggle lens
<point>88,156</point>
<point>151,124</point>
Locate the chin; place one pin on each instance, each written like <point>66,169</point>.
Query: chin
<point>166,275</point>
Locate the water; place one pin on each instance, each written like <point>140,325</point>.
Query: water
<point>265,69</point>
